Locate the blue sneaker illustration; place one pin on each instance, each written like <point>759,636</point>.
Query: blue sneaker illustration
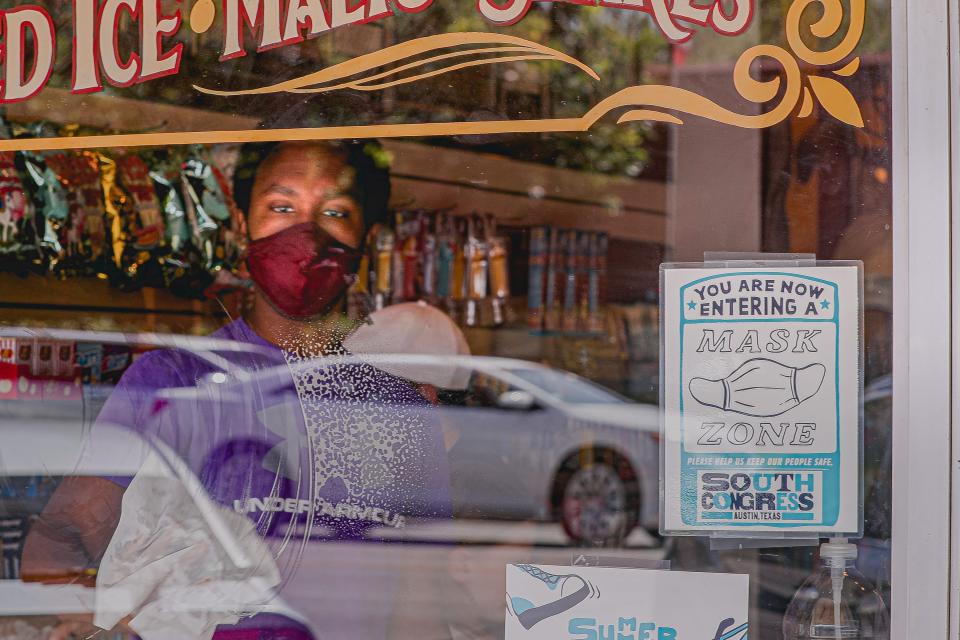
<point>544,595</point>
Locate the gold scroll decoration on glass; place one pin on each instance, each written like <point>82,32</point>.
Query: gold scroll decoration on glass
<point>797,88</point>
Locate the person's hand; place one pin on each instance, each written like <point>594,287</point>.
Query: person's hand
<point>80,626</point>
<point>74,626</point>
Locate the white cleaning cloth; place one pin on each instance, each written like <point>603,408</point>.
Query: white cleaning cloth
<point>179,563</point>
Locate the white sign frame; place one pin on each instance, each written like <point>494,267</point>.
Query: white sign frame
<point>816,476</point>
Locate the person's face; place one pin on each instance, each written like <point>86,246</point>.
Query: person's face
<point>305,182</point>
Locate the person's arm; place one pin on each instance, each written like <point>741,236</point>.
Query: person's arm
<point>75,526</point>
<point>72,532</point>
<point>68,539</point>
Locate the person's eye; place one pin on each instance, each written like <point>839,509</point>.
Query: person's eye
<point>281,208</point>
<point>335,213</point>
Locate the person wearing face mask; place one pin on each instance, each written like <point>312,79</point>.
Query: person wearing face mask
<point>350,446</point>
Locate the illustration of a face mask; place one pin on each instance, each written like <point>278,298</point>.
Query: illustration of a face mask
<point>760,387</point>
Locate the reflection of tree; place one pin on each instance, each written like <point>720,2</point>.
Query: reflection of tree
<point>617,44</point>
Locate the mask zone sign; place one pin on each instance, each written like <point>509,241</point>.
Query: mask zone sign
<point>761,399</point>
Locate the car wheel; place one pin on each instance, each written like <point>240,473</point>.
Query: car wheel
<point>597,498</point>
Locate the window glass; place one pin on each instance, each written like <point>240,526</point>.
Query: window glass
<point>333,386</point>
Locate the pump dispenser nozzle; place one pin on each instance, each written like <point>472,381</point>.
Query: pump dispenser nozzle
<point>858,611</point>
<point>837,554</point>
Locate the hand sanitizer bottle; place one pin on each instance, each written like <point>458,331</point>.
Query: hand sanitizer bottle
<point>836,602</point>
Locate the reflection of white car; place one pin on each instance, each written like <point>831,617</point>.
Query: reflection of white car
<point>531,442</point>
<point>525,442</point>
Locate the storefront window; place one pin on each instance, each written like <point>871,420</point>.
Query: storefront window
<point>317,319</point>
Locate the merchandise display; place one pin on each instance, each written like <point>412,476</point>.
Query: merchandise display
<point>457,263</point>
<point>158,218</point>
<point>567,280</point>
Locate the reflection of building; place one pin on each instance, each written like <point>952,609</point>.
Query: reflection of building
<point>807,185</point>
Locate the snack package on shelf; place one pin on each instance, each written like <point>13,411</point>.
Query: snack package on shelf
<point>539,243</point>
<point>50,208</point>
<point>142,222</point>
<point>132,216</point>
<point>18,233</point>
<point>83,236</point>
<point>178,271</point>
<point>212,223</point>
<point>204,213</point>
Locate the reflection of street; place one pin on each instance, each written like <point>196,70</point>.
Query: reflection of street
<point>462,585</point>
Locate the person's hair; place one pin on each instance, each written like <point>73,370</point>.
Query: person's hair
<point>371,182</point>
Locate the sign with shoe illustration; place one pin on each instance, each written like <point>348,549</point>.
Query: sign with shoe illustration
<point>760,396</point>
<point>592,603</point>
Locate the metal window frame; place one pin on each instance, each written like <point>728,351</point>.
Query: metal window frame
<point>925,119</point>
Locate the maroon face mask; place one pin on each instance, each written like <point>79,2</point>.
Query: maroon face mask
<point>302,270</point>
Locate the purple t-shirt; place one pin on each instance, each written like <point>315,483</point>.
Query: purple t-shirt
<point>348,443</point>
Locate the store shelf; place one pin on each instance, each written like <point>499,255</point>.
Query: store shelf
<point>90,303</point>
<point>524,193</point>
